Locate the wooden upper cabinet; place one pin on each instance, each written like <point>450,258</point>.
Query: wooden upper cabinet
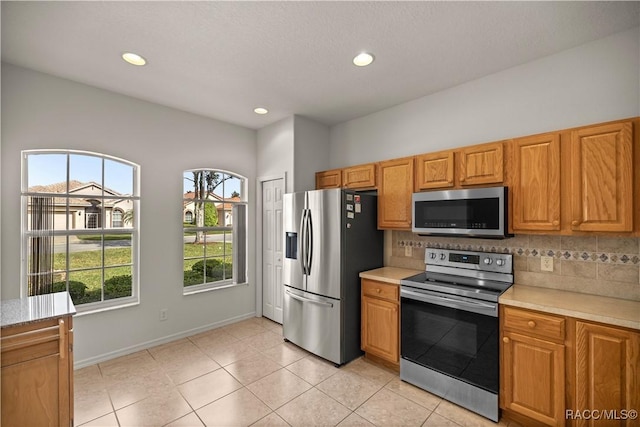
<point>481,164</point>
<point>359,177</point>
<point>329,179</point>
<point>607,375</point>
<point>394,193</point>
<point>601,188</point>
<point>536,183</point>
<point>434,170</point>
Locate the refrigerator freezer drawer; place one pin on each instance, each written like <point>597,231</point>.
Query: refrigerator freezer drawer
<point>313,323</point>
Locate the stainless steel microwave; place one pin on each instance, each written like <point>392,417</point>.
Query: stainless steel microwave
<point>474,212</point>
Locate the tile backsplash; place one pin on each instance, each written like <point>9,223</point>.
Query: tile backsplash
<point>608,266</point>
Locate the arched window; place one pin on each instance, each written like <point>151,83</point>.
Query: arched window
<point>67,244</point>
<point>215,240</point>
<point>188,217</point>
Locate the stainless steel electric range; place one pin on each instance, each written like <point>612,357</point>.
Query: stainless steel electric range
<point>449,327</point>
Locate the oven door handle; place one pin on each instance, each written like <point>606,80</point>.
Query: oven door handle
<point>466,305</point>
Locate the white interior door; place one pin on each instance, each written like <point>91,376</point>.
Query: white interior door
<point>272,240</point>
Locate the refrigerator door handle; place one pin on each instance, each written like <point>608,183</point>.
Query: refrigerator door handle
<point>303,243</point>
<point>303,299</point>
<point>310,241</point>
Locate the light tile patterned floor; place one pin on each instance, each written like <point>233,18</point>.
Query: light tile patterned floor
<point>244,374</point>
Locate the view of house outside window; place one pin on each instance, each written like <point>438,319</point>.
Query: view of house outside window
<point>214,229</point>
<point>80,227</point>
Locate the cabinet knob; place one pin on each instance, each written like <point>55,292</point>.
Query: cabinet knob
<point>555,222</point>
<point>531,324</point>
<point>505,340</point>
<point>378,290</point>
<point>575,222</point>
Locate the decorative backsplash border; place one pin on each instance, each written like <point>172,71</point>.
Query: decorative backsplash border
<point>596,256</point>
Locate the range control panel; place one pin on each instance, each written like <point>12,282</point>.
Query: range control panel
<point>483,261</point>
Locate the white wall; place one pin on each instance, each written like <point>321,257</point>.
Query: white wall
<point>311,152</point>
<point>275,151</point>
<point>592,83</point>
<point>42,111</point>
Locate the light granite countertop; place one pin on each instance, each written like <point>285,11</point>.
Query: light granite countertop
<point>389,274</point>
<point>612,311</point>
<point>32,309</point>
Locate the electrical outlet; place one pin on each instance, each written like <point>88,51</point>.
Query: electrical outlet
<point>164,314</point>
<point>546,263</point>
<point>408,250</point>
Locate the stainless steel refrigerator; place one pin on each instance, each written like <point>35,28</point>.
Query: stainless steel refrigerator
<point>330,237</point>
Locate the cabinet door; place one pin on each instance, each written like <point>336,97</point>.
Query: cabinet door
<point>380,328</point>
<point>532,377</point>
<point>329,179</point>
<point>394,194</point>
<point>36,375</point>
<point>359,177</point>
<point>602,178</point>
<point>482,164</point>
<point>536,183</point>
<point>434,170</point>
<point>607,371</point>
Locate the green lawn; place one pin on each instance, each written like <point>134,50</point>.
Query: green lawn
<point>115,256</point>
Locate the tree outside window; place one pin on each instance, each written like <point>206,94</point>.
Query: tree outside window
<point>214,229</point>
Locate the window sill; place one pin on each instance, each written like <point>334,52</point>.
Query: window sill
<point>198,289</point>
<point>93,308</point>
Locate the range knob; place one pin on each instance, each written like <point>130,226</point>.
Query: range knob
<point>432,255</point>
<point>488,261</point>
<point>500,262</point>
<point>443,257</point>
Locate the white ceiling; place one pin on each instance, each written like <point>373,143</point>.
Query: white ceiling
<point>222,59</point>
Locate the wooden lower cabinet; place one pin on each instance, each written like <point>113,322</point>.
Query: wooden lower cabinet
<point>555,377</point>
<point>607,374</point>
<point>532,377</point>
<point>381,321</point>
<point>37,373</point>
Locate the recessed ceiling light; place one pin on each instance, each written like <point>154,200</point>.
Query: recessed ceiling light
<point>363,59</point>
<point>134,58</point>
<point>260,110</point>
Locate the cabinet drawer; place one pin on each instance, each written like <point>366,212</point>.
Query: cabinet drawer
<point>379,290</point>
<point>534,323</point>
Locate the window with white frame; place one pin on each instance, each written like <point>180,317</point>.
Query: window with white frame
<point>116,218</point>
<point>215,238</point>
<point>80,215</point>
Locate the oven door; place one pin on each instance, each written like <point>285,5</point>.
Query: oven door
<point>453,335</point>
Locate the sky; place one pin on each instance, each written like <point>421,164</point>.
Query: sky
<point>45,169</point>
<point>49,168</point>
<point>230,185</point>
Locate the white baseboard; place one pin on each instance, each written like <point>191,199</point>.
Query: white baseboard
<point>78,364</point>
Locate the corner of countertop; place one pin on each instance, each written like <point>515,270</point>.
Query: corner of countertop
<point>389,274</point>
